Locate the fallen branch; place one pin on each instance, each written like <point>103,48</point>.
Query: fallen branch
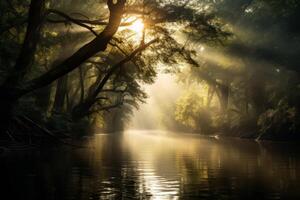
<point>47,132</point>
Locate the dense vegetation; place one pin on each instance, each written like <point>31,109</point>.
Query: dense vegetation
<point>248,87</point>
<point>69,66</point>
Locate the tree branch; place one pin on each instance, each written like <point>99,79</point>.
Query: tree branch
<point>83,108</point>
<point>81,22</point>
<point>120,64</point>
<point>70,19</point>
<point>106,108</point>
<point>84,53</point>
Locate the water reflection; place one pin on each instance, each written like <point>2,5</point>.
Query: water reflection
<point>151,165</point>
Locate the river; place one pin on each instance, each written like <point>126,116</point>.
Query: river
<point>154,165</point>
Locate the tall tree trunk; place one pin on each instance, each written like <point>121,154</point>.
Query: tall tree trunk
<point>223,96</point>
<point>246,99</point>
<point>84,53</point>
<point>26,56</point>
<point>210,95</point>
<point>81,80</point>
<point>9,92</point>
<point>6,107</point>
<point>13,88</point>
<point>42,97</point>
<point>60,95</point>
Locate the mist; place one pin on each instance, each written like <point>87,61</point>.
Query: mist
<point>149,99</point>
<point>162,94</point>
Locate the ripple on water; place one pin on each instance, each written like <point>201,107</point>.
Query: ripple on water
<point>153,166</point>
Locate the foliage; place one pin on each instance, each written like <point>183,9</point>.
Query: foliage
<point>243,65</point>
<point>280,123</point>
<point>191,112</point>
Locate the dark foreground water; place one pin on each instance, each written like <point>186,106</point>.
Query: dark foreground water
<point>148,165</point>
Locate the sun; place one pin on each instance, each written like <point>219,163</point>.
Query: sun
<point>137,26</point>
<point>136,29</point>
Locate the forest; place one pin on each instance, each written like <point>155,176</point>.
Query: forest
<point>71,68</point>
<point>149,99</point>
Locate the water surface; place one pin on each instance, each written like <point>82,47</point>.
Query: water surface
<point>155,165</point>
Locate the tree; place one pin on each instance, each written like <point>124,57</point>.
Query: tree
<point>158,17</point>
<point>13,87</point>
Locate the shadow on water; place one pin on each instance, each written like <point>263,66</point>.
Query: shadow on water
<point>151,165</point>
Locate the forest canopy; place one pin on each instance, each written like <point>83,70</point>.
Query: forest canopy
<point>69,65</point>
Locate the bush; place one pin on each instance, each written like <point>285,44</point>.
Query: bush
<point>280,123</point>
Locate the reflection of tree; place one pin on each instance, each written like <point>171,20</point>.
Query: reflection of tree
<point>188,166</point>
